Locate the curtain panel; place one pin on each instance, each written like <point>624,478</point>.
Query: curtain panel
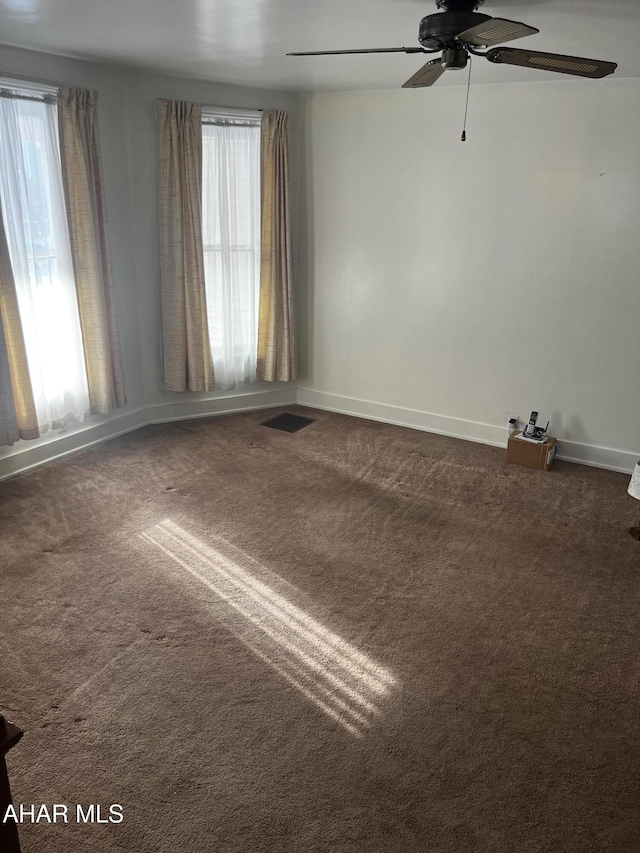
<point>84,199</point>
<point>17,407</point>
<point>188,364</point>
<point>276,346</point>
<point>35,219</point>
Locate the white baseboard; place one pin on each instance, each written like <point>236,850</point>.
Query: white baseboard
<point>597,457</point>
<point>56,445</point>
<point>163,413</point>
<point>570,451</point>
<point>412,418</point>
<point>82,437</point>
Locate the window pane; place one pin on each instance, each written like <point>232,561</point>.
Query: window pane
<point>231,238</point>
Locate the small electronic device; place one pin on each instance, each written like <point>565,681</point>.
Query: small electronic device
<point>532,430</point>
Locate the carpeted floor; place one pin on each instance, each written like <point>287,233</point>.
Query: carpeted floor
<point>354,638</point>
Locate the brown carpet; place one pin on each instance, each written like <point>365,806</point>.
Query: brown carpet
<point>354,638</point>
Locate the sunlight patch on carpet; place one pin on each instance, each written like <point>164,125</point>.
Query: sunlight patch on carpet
<point>338,678</point>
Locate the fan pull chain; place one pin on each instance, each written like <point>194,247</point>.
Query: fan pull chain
<point>463,138</point>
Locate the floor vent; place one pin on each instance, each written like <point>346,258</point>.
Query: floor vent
<point>288,422</point>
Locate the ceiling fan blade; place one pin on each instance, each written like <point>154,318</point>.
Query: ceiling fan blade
<point>496,31</point>
<point>577,65</point>
<point>362,50</point>
<point>426,76</point>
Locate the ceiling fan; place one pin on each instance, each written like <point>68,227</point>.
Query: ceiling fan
<point>459,30</point>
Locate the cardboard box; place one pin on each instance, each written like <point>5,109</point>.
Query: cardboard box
<point>531,454</point>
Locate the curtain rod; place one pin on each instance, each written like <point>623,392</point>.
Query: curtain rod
<point>232,110</point>
<point>225,122</point>
<point>45,99</point>
<point>12,75</point>
<point>233,113</point>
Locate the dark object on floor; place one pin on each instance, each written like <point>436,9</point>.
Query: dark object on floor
<point>635,532</point>
<point>9,737</point>
<point>288,422</point>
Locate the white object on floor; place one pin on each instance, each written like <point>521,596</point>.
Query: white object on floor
<point>634,483</point>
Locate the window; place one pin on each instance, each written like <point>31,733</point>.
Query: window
<point>231,241</point>
<point>35,221</point>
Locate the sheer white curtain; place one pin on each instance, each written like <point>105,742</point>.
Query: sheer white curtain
<point>36,226</point>
<point>231,243</point>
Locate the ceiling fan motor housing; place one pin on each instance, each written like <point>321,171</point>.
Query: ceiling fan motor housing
<point>439,30</point>
<point>454,58</point>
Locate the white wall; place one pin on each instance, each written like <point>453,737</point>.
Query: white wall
<point>448,284</point>
<point>128,138</point>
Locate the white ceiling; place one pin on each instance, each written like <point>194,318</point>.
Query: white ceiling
<point>245,41</point>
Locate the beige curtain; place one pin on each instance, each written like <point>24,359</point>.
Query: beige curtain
<point>84,198</point>
<point>17,409</point>
<point>187,354</point>
<point>276,348</point>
